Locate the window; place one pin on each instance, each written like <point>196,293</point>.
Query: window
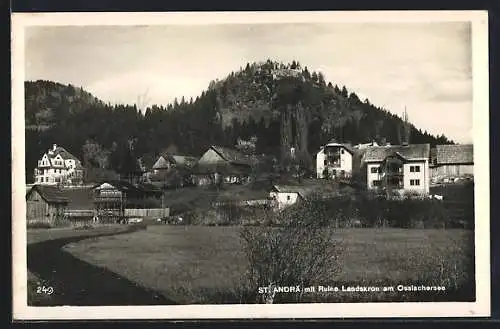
<point>374,170</point>
<point>414,182</point>
<point>288,197</point>
<point>325,162</point>
<point>342,151</point>
<point>414,168</point>
<point>377,182</point>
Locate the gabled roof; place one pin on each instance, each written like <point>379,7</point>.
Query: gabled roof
<point>408,152</point>
<point>180,160</point>
<point>123,186</point>
<point>348,147</point>
<point>51,194</point>
<point>455,154</point>
<point>308,188</point>
<point>230,155</point>
<point>63,152</point>
<point>161,162</point>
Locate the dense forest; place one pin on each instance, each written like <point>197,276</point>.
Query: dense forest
<point>280,105</point>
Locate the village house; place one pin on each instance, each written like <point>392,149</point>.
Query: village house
<point>401,168</point>
<point>172,170</point>
<point>224,163</point>
<point>168,161</point>
<point>58,166</point>
<point>287,194</point>
<point>451,163</point>
<point>45,204</point>
<point>334,160</point>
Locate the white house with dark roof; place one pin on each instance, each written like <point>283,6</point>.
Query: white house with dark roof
<point>287,194</point>
<point>398,168</point>
<point>334,160</point>
<point>452,162</point>
<point>58,166</point>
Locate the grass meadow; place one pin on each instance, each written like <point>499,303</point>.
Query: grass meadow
<point>206,264</point>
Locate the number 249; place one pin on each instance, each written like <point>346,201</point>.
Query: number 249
<point>44,290</point>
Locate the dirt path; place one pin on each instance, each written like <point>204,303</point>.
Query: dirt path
<point>77,283</point>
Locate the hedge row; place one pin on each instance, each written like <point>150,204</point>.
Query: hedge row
<point>349,212</point>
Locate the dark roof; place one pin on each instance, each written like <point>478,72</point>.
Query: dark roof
<point>230,155</point>
<point>63,152</point>
<point>307,188</point>
<point>123,186</point>
<point>348,147</point>
<point>408,152</point>
<point>455,154</point>
<point>51,194</point>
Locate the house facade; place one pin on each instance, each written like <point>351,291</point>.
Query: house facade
<point>334,160</point>
<point>58,166</point>
<point>45,204</point>
<point>399,169</point>
<point>451,163</point>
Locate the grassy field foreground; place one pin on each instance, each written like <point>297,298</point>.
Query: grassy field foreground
<point>199,264</point>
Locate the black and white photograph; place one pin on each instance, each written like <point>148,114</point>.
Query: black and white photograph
<point>250,165</point>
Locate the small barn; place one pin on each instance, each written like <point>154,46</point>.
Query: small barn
<point>452,162</point>
<point>45,204</point>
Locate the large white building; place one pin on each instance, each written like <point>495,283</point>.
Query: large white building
<point>334,160</point>
<point>58,166</point>
<point>400,168</point>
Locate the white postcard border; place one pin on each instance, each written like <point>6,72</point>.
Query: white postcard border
<point>481,307</point>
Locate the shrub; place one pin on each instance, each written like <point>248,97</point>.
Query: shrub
<point>301,251</point>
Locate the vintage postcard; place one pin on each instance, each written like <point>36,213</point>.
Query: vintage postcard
<point>230,165</point>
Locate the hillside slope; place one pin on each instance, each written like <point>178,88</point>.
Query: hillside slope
<point>280,104</point>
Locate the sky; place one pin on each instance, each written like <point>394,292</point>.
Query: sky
<point>425,67</point>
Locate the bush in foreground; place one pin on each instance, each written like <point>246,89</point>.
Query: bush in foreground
<point>302,251</point>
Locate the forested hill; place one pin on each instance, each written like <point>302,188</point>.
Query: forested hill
<point>281,104</point>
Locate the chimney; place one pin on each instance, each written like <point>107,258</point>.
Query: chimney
<point>54,146</point>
